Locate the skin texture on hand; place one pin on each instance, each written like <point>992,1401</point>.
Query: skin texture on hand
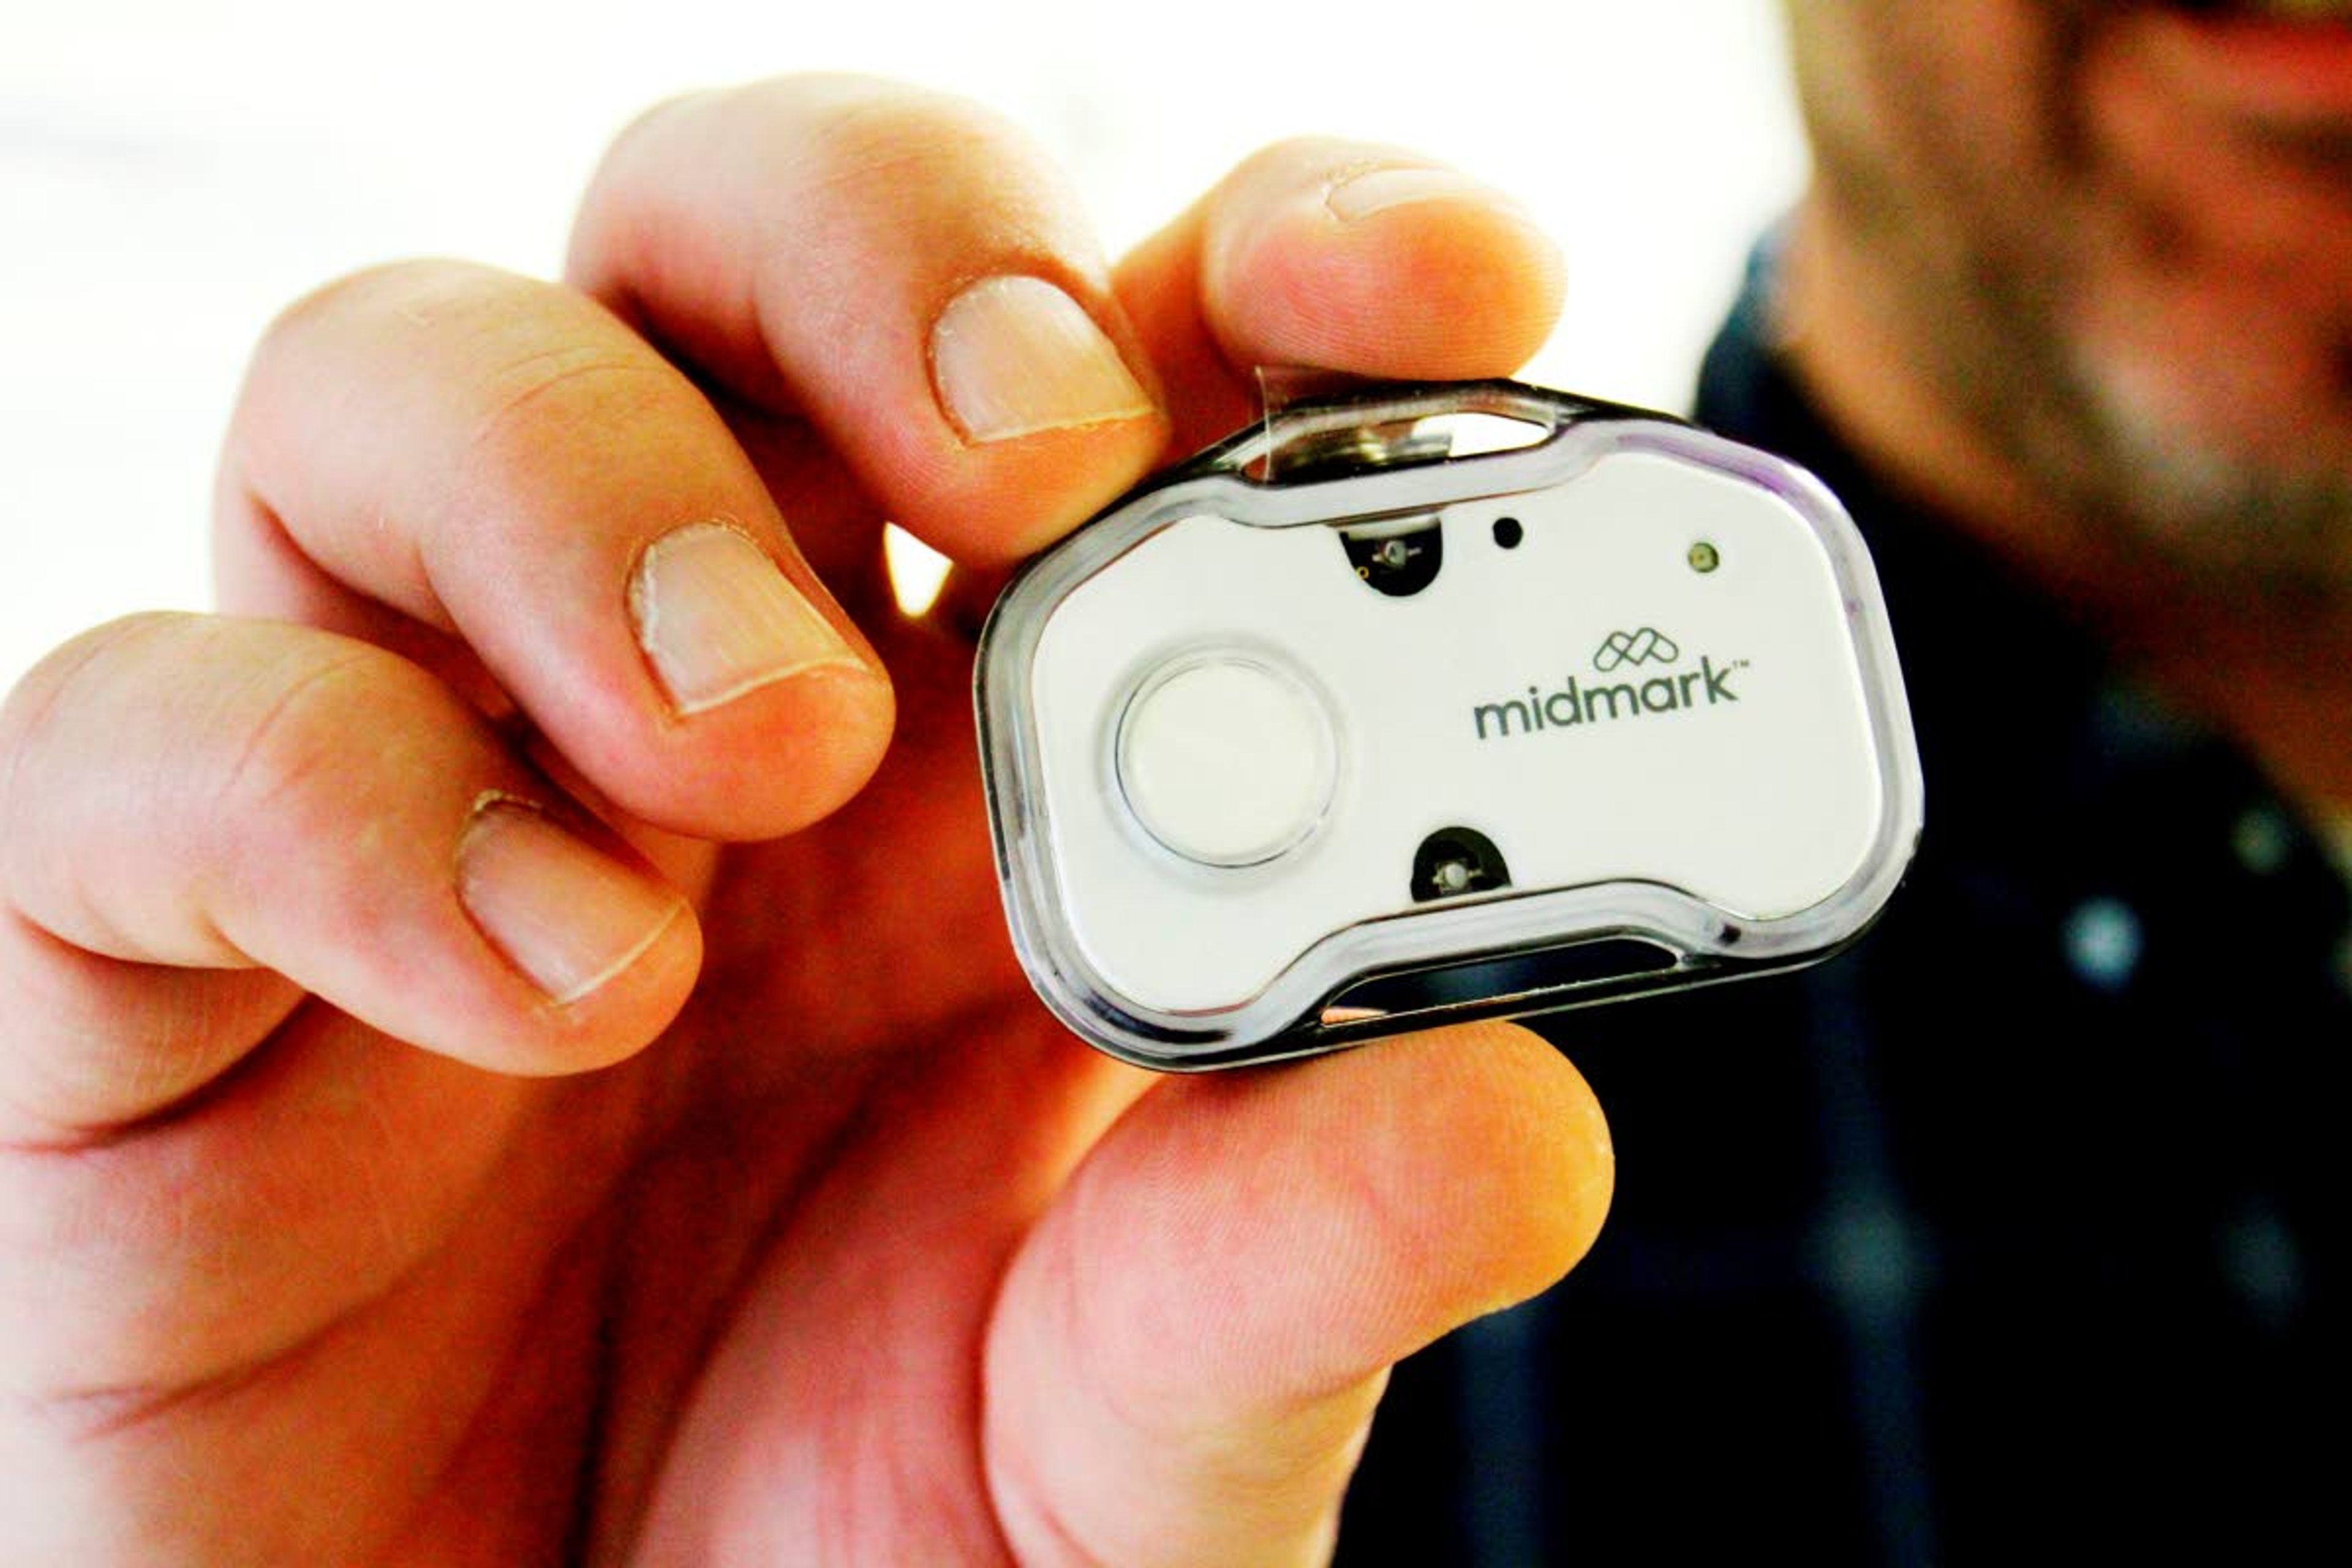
<point>514,1054</point>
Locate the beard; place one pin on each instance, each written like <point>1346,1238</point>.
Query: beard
<point>2277,530</point>
<point>2097,316</point>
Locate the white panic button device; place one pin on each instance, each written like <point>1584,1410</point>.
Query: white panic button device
<point>1366,720</point>
<point>1225,760</point>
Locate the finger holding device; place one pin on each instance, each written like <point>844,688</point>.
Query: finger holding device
<point>1422,703</point>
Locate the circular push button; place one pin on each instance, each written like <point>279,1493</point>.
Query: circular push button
<point>1226,760</point>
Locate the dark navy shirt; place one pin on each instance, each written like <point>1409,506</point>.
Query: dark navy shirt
<point>2008,1234</point>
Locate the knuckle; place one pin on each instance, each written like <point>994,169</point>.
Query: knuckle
<point>501,368</point>
<point>564,393</point>
<point>45,691</point>
<point>861,154</point>
<point>890,133</point>
<point>419,292</point>
<point>292,780</point>
<point>39,717</point>
<point>377,347</point>
<point>870,119</point>
<point>499,326</point>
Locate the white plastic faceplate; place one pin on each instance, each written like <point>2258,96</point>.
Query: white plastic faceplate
<point>1590,700</point>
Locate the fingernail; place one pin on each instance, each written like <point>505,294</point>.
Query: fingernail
<point>1016,355</point>
<point>567,915</point>
<point>718,619</point>
<point>1378,190</point>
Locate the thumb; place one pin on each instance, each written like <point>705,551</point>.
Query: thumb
<point>1187,1350</point>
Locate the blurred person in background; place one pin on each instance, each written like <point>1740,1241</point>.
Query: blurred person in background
<point>559,721</point>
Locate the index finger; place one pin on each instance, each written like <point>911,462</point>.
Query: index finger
<point>909,274</point>
<point>903,271</point>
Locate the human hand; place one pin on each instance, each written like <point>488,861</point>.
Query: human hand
<point>505,1068</point>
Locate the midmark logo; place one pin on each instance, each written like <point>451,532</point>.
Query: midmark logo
<point>1576,703</point>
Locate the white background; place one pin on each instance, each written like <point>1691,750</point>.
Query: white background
<point>171,173</point>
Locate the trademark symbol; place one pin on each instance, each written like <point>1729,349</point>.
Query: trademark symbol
<point>1739,664</point>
